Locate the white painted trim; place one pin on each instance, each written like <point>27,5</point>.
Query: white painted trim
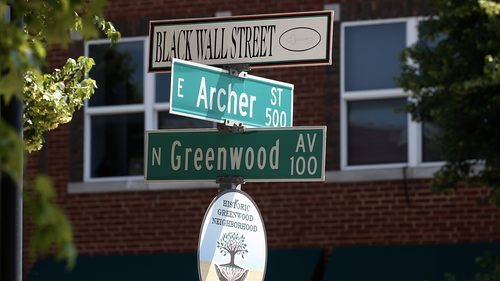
<point>431,164</point>
<point>163,106</point>
<point>86,130</point>
<point>145,107</point>
<point>122,40</point>
<point>411,31</point>
<point>149,92</point>
<point>335,7</point>
<point>343,134</point>
<point>115,109</point>
<point>343,102</point>
<point>414,128</point>
<point>342,58</point>
<point>381,174</point>
<point>375,22</point>
<point>86,144</point>
<point>414,142</point>
<point>131,185</point>
<point>375,166</point>
<point>374,94</point>
<point>221,14</point>
<point>115,179</point>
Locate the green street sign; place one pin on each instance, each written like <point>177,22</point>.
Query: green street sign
<point>212,94</point>
<point>291,154</point>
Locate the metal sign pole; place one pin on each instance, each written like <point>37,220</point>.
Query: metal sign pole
<point>226,183</point>
<point>11,204</point>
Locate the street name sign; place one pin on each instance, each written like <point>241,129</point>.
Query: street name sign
<point>284,154</point>
<point>274,40</point>
<point>212,94</point>
<point>232,243</point>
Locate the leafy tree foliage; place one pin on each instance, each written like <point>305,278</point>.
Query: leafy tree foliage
<point>453,74</point>
<point>49,99</point>
<point>54,100</point>
<point>51,224</point>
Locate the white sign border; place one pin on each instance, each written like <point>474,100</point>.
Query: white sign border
<point>205,217</point>
<point>327,61</point>
<point>224,71</point>
<point>323,164</point>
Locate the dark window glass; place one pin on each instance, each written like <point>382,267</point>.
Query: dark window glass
<point>117,145</point>
<point>171,121</point>
<point>431,135</point>
<point>372,55</point>
<point>162,91</point>
<point>118,72</point>
<point>377,135</point>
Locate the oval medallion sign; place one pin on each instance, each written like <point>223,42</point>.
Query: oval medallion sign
<point>232,244</point>
<point>300,39</point>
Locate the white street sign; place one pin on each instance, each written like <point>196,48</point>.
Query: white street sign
<point>232,243</point>
<point>275,40</point>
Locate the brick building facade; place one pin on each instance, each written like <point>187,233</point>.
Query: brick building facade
<point>370,204</point>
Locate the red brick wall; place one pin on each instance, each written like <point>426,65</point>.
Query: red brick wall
<point>295,214</point>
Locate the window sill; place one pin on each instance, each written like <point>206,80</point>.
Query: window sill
<point>131,185</point>
<point>425,172</point>
<point>331,177</point>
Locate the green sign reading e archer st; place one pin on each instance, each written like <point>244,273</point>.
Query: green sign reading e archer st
<point>212,94</point>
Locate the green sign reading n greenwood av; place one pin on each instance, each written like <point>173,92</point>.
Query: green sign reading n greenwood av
<point>261,154</point>
<point>210,93</point>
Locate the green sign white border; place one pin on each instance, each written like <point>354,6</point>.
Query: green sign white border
<point>226,72</point>
<point>298,128</point>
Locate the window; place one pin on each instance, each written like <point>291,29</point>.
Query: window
<point>430,143</point>
<point>375,134</point>
<point>128,101</point>
<point>372,134</point>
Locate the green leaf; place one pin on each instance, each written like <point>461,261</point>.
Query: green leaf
<point>11,152</point>
<point>49,99</point>
<point>455,84</point>
<point>51,226</point>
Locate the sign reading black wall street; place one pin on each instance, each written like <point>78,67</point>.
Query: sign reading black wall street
<point>232,244</point>
<point>258,40</point>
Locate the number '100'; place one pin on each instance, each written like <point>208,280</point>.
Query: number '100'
<point>300,166</point>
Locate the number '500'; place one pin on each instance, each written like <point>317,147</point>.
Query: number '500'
<point>275,118</point>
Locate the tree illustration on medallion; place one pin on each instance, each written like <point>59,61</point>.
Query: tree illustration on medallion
<point>233,244</point>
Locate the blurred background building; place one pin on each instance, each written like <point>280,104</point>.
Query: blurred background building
<point>373,218</point>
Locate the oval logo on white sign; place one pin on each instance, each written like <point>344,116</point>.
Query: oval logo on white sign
<point>232,244</point>
<point>300,39</point>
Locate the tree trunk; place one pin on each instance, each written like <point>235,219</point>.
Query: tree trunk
<point>232,259</point>
<point>231,263</point>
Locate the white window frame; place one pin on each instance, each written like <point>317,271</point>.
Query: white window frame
<point>148,107</point>
<point>414,128</point>
<point>413,169</point>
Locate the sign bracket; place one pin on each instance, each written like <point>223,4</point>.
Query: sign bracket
<point>238,70</point>
<point>226,183</point>
<point>230,126</point>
